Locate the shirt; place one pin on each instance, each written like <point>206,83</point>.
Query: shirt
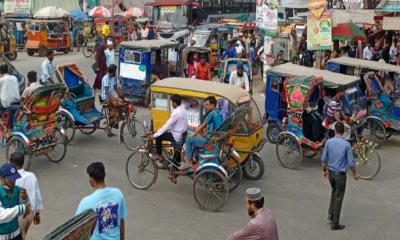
<point>261,227</point>
<point>105,30</point>
<point>144,33</point>
<point>203,71</point>
<point>334,106</point>
<point>223,105</point>
<point>8,214</point>
<point>29,90</point>
<point>48,71</point>
<point>338,155</point>
<point>109,204</point>
<point>110,83</point>
<point>177,124</point>
<point>9,202</point>
<point>229,53</point>
<point>110,56</point>
<point>367,53</point>
<point>29,181</point>
<point>242,81</point>
<point>393,53</point>
<point>213,121</point>
<point>9,90</point>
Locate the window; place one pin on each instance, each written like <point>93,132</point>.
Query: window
<point>193,108</point>
<point>132,56</point>
<point>160,101</point>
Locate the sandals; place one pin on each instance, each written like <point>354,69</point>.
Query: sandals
<point>172,178</point>
<point>186,165</point>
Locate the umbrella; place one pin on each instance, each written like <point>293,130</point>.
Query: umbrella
<point>348,31</point>
<point>100,11</point>
<point>51,12</point>
<point>133,12</point>
<point>78,15</point>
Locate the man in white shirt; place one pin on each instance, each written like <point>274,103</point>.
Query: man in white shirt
<point>8,214</point>
<point>110,53</point>
<point>29,182</point>
<point>144,32</point>
<point>393,52</point>
<point>239,78</point>
<point>367,52</point>
<point>33,85</point>
<point>177,125</point>
<point>48,69</point>
<point>9,88</point>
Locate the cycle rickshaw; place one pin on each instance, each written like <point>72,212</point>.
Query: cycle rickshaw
<point>78,110</point>
<point>229,65</point>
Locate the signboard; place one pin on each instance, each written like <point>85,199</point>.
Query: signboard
<point>317,7</point>
<point>319,32</point>
<point>267,17</point>
<point>20,7</point>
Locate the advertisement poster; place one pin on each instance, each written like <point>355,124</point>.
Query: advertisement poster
<point>267,16</point>
<point>319,32</point>
<point>317,7</point>
<point>17,7</point>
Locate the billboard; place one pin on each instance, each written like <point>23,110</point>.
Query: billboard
<point>319,31</point>
<point>267,17</point>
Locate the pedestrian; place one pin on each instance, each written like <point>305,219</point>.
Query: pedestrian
<point>109,53</point>
<point>336,158</point>
<point>29,182</point>
<point>100,66</point>
<point>145,31</point>
<point>108,202</point>
<point>262,225</point>
<point>203,69</point>
<point>105,30</point>
<point>368,52</point>
<point>11,196</point>
<point>48,69</point>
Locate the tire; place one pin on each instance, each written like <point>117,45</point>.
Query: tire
<point>42,51</point>
<point>89,129</point>
<point>61,141</point>
<point>12,56</point>
<point>376,131</point>
<point>138,164</point>
<point>254,167</point>
<point>235,174</point>
<point>67,124</point>
<point>131,132</point>
<point>368,163</point>
<point>272,132</point>
<point>30,52</point>
<point>66,50</point>
<point>289,151</point>
<point>210,184</point>
<point>17,144</point>
<point>87,51</point>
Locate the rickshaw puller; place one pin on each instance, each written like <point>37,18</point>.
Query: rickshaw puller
<point>9,93</point>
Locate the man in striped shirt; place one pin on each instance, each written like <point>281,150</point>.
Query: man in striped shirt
<point>334,108</point>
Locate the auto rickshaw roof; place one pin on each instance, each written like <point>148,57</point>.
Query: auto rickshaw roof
<point>230,92</point>
<point>301,80</point>
<point>45,21</point>
<point>150,44</point>
<point>373,65</point>
<point>330,79</point>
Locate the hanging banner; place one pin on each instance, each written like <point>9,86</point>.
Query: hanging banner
<point>317,7</point>
<point>18,7</point>
<point>267,17</point>
<point>319,32</point>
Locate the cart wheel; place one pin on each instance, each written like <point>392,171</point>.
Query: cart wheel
<point>235,174</point>
<point>67,124</point>
<point>12,56</point>
<point>210,190</point>
<point>42,51</point>
<point>17,144</point>
<point>254,167</point>
<point>272,132</point>
<point>377,131</point>
<point>90,129</point>
<point>57,152</point>
<point>131,132</point>
<point>87,50</point>
<point>368,163</point>
<point>30,52</point>
<point>141,170</point>
<point>289,151</point>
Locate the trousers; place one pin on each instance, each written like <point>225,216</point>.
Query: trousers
<point>338,185</point>
<point>192,143</point>
<point>167,136</point>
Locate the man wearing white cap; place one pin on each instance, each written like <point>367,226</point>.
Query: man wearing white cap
<point>262,225</point>
<point>110,53</point>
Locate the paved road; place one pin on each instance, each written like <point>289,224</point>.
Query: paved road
<point>299,198</point>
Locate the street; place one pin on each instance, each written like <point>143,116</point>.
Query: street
<point>299,198</point>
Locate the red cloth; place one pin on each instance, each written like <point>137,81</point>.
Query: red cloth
<point>203,71</point>
<point>101,65</point>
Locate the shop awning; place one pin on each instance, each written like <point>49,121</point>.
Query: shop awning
<point>355,16</point>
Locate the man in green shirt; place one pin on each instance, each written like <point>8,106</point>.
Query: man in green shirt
<point>11,196</point>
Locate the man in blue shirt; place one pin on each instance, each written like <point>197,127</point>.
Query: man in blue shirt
<point>213,121</point>
<point>230,52</point>
<point>109,203</point>
<point>337,157</point>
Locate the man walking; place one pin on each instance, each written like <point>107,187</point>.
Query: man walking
<point>262,225</point>
<point>337,157</point>
<point>109,203</point>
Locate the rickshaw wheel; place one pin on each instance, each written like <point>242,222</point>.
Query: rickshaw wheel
<point>254,167</point>
<point>369,167</point>
<point>138,166</point>
<point>289,151</point>
<point>87,51</point>
<point>210,190</point>
<point>42,51</point>
<point>17,144</point>
<point>12,55</point>
<point>90,129</point>
<point>131,132</point>
<point>67,125</point>
<point>30,52</point>
<point>235,175</point>
<point>377,131</point>
<point>57,153</point>
<point>272,132</point>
